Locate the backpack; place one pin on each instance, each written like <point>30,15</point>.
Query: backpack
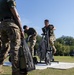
<point>25,59</point>
<point>42,49</point>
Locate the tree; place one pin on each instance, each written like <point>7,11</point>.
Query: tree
<point>66,40</point>
<point>62,50</point>
<point>64,45</point>
<point>59,48</point>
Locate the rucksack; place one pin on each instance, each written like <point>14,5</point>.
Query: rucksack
<point>25,58</point>
<point>42,49</point>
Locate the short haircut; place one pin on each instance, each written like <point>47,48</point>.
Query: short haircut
<point>25,26</point>
<point>46,20</point>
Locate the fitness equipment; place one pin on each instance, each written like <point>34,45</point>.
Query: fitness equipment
<point>45,51</point>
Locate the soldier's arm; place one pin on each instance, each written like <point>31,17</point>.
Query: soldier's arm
<point>16,16</point>
<point>12,6</point>
<point>53,27</point>
<point>17,19</point>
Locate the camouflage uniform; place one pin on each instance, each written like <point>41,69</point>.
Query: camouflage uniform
<point>32,44</point>
<point>10,36</point>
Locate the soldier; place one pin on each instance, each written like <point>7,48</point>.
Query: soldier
<point>51,29</point>
<point>31,32</point>
<point>10,32</point>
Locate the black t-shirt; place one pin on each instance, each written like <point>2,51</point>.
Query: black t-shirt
<point>49,28</point>
<point>31,31</point>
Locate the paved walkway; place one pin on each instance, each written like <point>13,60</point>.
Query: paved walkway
<point>60,65</point>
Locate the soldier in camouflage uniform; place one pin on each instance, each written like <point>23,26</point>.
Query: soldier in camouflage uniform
<point>32,34</point>
<point>51,29</point>
<point>10,35</point>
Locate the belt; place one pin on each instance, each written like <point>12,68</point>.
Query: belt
<point>7,19</point>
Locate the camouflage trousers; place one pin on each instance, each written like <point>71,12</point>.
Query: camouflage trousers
<point>10,40</point>
<point>32,44</point>
<point>51,41</point>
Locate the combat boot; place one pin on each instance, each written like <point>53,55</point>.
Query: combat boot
<point>1,70</point>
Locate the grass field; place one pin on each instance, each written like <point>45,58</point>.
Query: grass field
<point>48,71</point>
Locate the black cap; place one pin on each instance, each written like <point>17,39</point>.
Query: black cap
<point>24,27</point>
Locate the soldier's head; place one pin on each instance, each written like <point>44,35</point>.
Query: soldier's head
<point>25,27</point>
<point>46,22</point>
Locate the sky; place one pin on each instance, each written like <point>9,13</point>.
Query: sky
<point>59,12</point>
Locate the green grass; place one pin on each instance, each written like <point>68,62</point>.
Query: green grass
<point>52,72</point>
<point>48,71</point>
<point>64,59</point>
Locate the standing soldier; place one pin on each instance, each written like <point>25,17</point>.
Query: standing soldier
<point>32,34</point>
<point>10,30</point>
<point>50,28</point>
